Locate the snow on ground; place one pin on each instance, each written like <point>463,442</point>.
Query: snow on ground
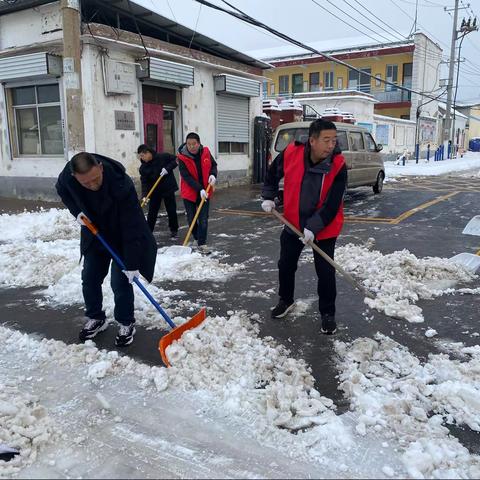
<point>470,161</point>
<point>77,411</point>
<point>395,395</point>
<point>399,279</point>
<point>42,249</point>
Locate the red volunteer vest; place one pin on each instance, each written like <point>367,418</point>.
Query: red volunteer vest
<point>186,191</point>
<point>294,170</point>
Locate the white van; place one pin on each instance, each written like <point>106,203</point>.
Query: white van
<point>362,154</point>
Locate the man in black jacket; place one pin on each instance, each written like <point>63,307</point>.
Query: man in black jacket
<point>97,187</point>
<point>153,166</point>
<point>315,180</point>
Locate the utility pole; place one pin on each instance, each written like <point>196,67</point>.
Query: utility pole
<point>451,69</point>
<point>467,27</point>
<point>72,76</point>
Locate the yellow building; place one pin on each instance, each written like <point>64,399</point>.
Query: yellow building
<point>412,63</point>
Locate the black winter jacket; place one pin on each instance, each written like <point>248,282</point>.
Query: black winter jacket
<point>116,212</point>
<point>150,171</point>
<point>197,159</point>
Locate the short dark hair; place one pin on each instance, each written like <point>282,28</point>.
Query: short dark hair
<point>83,162</point>
<point>144,149</point>
<point>193,135</point>
<point>318,125</point>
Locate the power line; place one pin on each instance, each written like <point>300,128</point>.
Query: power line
<point>344,21</point>
<point>371,21</point>
<point>237,13</point>
<point>389,39</point>
<point>379,19</point>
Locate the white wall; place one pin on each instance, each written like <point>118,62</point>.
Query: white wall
<point>99,112</point>
<point>426,74</point>
<point>40,25</point>
<point>401,134</point>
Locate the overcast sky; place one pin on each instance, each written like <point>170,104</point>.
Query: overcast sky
<point>307,21</point>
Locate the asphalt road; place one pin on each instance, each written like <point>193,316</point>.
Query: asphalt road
<point>424,215</point>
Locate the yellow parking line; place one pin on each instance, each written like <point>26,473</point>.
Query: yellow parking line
<point>411,212</point>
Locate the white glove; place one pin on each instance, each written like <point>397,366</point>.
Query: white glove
<point>268,205</point>
<point>80,219</point>
<point>308,236</point>
<point>203,194</point>
<point>164,172</point>
<point>212,180</point>
<point>145,200</point>
<point>131,275</point>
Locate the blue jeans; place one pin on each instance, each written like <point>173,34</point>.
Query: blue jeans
<point>200,229</point>
<point>95,268</point>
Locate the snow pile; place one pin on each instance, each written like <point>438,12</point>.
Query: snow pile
<point>24,425</point>
<point>46,225</point>
<point>257,376</point>
<point>400,279</point>
<point>193,266</point>
<point>395,395</point>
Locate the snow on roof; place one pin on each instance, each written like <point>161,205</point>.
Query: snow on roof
<point>332,45</point>
<point>443,106</point>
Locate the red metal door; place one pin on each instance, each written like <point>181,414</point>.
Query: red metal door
<point>153,125</point>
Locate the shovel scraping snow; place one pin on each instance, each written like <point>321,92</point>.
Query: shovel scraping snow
<point>176,332</point>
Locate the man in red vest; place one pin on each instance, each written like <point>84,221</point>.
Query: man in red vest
<point>315,180</point>
<point>197,169</point>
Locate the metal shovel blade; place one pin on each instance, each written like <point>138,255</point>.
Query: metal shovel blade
<point>468,260</point>
<point>473,226</point>
<point>177,251</point>
<point>176,333</point>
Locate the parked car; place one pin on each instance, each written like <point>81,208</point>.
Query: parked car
<point>362,154</point>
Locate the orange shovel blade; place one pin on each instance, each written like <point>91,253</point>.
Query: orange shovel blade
<point>176,333</point>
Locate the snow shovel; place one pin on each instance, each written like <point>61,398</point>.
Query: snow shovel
<point>147,198</point>
<point>176,332</point>
<point>473,226</point>
<point>334,264</point>
<point>177,250</point>
<point>469,260</point>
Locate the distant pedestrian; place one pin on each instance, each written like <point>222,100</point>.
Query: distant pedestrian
<point>153,165</point>
<point>97,187</point>
<point>198,169</point>
<point>315,180</point>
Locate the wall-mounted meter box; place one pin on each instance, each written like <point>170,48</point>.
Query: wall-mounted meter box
<point>120,77</point>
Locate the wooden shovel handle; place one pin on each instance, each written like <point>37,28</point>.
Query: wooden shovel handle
<point>334,264</point>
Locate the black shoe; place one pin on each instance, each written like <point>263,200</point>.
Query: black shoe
<point>125,335</point>
<point>92,328</point>
<point>174,235</point>
<point>329,326</point>
<point>281,309</point>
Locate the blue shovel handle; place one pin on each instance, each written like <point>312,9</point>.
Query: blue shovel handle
<point>94,230</point>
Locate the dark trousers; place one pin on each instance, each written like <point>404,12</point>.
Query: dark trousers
<point>170,207</point>
<point>290,249</point>
<point>95,269</point>
<point>200,229</point>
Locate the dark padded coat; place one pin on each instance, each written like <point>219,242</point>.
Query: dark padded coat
<point>150,171</point>
<point>116,213</point>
